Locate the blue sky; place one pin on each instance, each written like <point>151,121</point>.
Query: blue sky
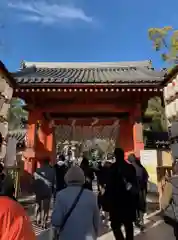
<point>81,30</point>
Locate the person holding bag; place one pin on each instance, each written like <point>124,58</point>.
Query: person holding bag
<point>169,201</point>
<point>76,212</point>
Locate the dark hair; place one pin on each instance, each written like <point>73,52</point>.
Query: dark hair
<point>85,162</point>
<point>119,155</point>
<point>132,158</point>
<point>62,158</point>
<point>1,167</point>
<point>46,160</point>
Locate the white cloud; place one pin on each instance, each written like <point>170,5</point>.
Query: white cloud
<point>43,12</point>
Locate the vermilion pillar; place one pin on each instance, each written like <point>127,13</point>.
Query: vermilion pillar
<point>29,154</point>
<point>40,142</point>
<point>131,133</point>
<point>126,136</point>
<point>45,141</point>
<point>137,130</point>
<point>30,161</point>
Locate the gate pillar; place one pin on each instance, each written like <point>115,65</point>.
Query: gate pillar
<point>138,140</point>
<point>126,136</point>
<point>131,133</point>
<point>40,142</point>
<point>44,141</point>
<point>30,162</point>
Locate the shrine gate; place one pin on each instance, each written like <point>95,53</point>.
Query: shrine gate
<point>64,93</point>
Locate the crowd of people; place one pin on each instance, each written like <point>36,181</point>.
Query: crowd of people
<point>78,210</point>
<point>121,198</point>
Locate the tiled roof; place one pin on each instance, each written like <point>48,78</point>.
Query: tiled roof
<point>133,73</point>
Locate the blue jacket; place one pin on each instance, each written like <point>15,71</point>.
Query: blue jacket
<point>84,221</point>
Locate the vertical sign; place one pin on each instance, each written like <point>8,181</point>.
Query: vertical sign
<point>149,160</point>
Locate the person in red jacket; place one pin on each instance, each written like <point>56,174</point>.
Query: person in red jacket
<point>14,222</point>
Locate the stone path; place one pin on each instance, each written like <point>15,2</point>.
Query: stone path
<point>155,230</point>
<point>159,231</point>
<point>106,234</point>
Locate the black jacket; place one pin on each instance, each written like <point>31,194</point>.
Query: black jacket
<point>60,174</point>
<point>121,202</point>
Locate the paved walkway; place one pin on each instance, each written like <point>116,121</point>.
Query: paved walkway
<point>155,230</point>
<point>106,234</point>
<point>158,231</point>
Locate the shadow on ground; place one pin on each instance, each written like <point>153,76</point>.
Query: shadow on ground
<point>160,231</point>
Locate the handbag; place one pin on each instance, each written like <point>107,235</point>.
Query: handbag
<point>59,229</point>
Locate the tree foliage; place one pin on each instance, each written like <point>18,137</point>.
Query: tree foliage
<point>156,112</point>
<point>165,40</point>
<point>17,114</point>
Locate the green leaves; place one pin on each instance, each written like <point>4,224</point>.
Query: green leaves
<point>164,57</point>
<point>16,114</point>
<point>157,36</point>
<point>156,111</point>
<point>165,39</point>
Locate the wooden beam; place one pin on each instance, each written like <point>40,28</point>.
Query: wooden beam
<point>84,108</point>
<point>86,121</point>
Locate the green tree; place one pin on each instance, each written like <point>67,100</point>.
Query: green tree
<point>16,114</point>
<point>165,41</point>
<point>156,112</point>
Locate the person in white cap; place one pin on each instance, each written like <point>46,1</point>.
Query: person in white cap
<point>76,213</point>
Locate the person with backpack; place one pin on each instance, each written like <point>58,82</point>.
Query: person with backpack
<point>121,195</point>
<point>169,200</point>
<point>142,181</point>
<point>43,186</point>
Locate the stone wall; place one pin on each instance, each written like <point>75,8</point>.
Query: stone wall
<point>6,91</point>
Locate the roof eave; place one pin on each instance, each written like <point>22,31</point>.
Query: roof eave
<point>170,75</point>
<point>144,63</point>
<point>91,85</point>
